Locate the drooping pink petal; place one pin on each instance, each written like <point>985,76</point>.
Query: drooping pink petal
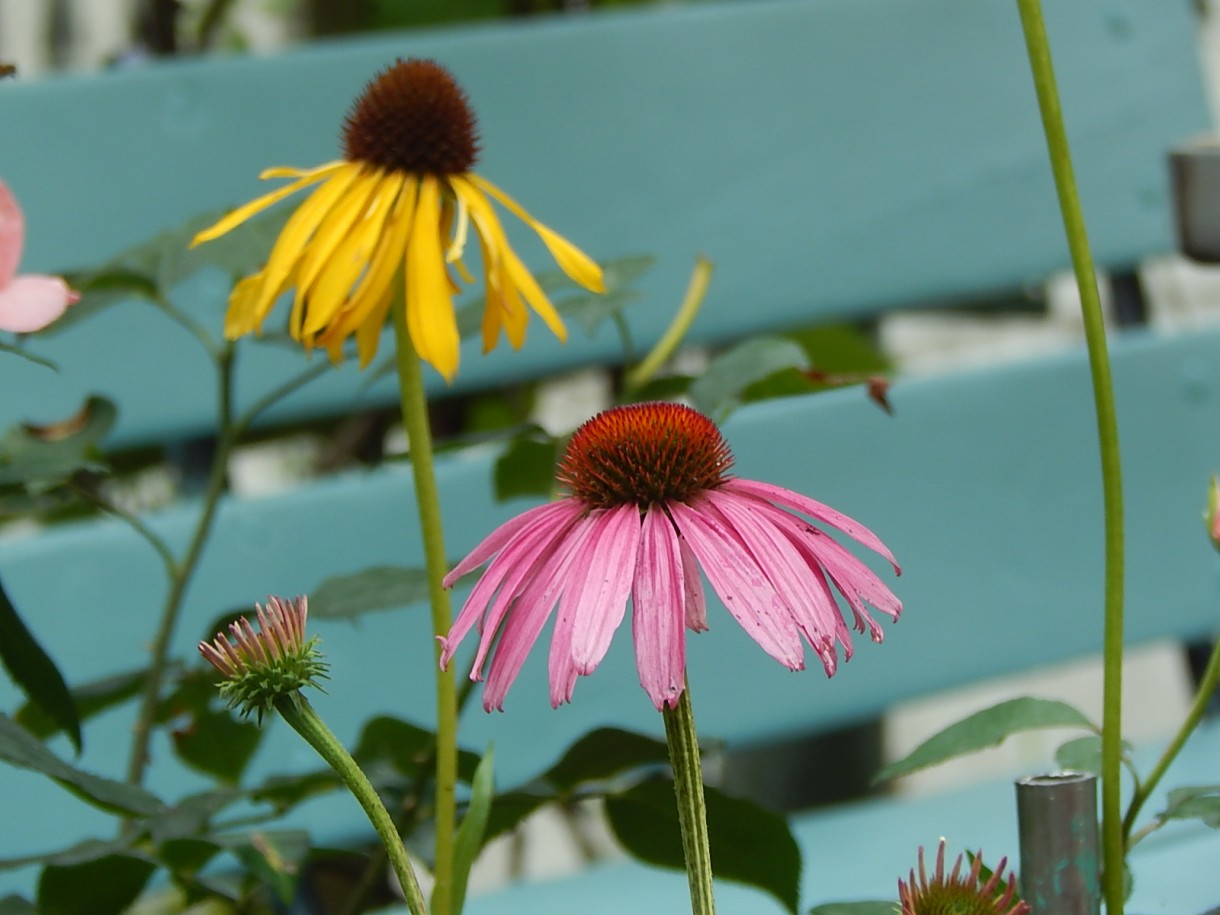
<point>602,579</point>
<point>692,583</point>
<point>809,541</point>
<point>495,541</point>
<point>561,669</point>
<point>816,510</point>
<point>30,303</point>
<point>12,235</point>
<point>742,586</point>
<point>658,600</point>
<point>530,612</point>
<point>813,610</point>
<point>504,578</point>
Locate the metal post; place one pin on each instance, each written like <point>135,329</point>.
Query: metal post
<point>1057,820</point>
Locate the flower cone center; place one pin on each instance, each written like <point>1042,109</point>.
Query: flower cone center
<point>644,454</point>
<point>412,117</point>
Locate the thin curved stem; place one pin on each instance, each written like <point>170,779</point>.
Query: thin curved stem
<point>297,711</point>
<point>696,290</point>
<point>137,762</point>
<point>1038,49</point>
<point>419,435</point>
<point>1144,789</point>
<point>135,522</point>
<point>268,400</point>
<point>692,809</point>
<point>194,327</point>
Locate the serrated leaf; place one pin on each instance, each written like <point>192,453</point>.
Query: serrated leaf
<point>372,590</point>
<point>106,886</point>
<point>34,673</point>
<point>216,743</point>
<point>19,748</point>
<point>603,754</point>
<point>1198,802</point>
<point>526,468</point>
<point>988,728</point>
<point>90,699</point>
<point>719,389</point>
<point>749,844</point>
<point>870,907</point>
<point>470,833</point>
<point>41,457</point>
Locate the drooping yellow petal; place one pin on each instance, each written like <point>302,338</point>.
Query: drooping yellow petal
<point>368,333</point>
<point>430,318</point>
<point>294,238</point>
<point>388,259</point>
<point>352,256</point>
<point>239,319</point>
<point>235,218</point>
<point>505,269</point>
<point>326,239</point>
<point>574,262</point>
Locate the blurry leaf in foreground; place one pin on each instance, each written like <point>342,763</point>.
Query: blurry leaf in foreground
<point>89,699</point>
<point>106,886</point>
<point>35,674</point>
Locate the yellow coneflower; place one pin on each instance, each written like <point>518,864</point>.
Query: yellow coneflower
<point>398,205</point>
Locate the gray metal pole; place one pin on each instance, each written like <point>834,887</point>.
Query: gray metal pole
<point>1057,820</point>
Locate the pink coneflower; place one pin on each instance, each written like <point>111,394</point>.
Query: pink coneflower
<point>29,302</point>
<point>650,504</point>
<point>958,894</point>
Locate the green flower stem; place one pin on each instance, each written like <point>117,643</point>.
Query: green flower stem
<point>419,435</point>
<point>296,710</point>
<point>692,811</point>
<point>1107,430</point>
<point>1207,686</point>
<point>696,290</point>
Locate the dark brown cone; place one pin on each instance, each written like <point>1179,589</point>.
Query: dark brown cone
<point>412,117</point>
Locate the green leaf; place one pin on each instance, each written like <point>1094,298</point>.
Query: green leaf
<point>216,743</point>
<point>526,468</point>
<point>1084,754</point>
<point>35,674</point>
<point>19,748</point>
<point>400,743</point>
<point>16,905</point>
<point>275,858</point>
<point>184,858</point>
<point>192,815</point>
<point>749,844</point>
<point>840,349</point>
<point>90,699</point>
<point>40,457</point>
<point>719,389</point>
<point>511,809</point>
<point>1198,802</point>
<point>870,907</point>
<point>371,590</point>
<point>106,886</point>
<point>471,831</point>
<point>988,728</point>
<point>80,853</point>
<point>603,754</point>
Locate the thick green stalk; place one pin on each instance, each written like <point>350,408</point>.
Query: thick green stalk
<point>419,435</point>
<point>692,811</point>
<point>297,711</point>
<point>1107,432</point>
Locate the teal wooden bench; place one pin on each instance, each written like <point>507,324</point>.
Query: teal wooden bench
<point>838,160</point>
